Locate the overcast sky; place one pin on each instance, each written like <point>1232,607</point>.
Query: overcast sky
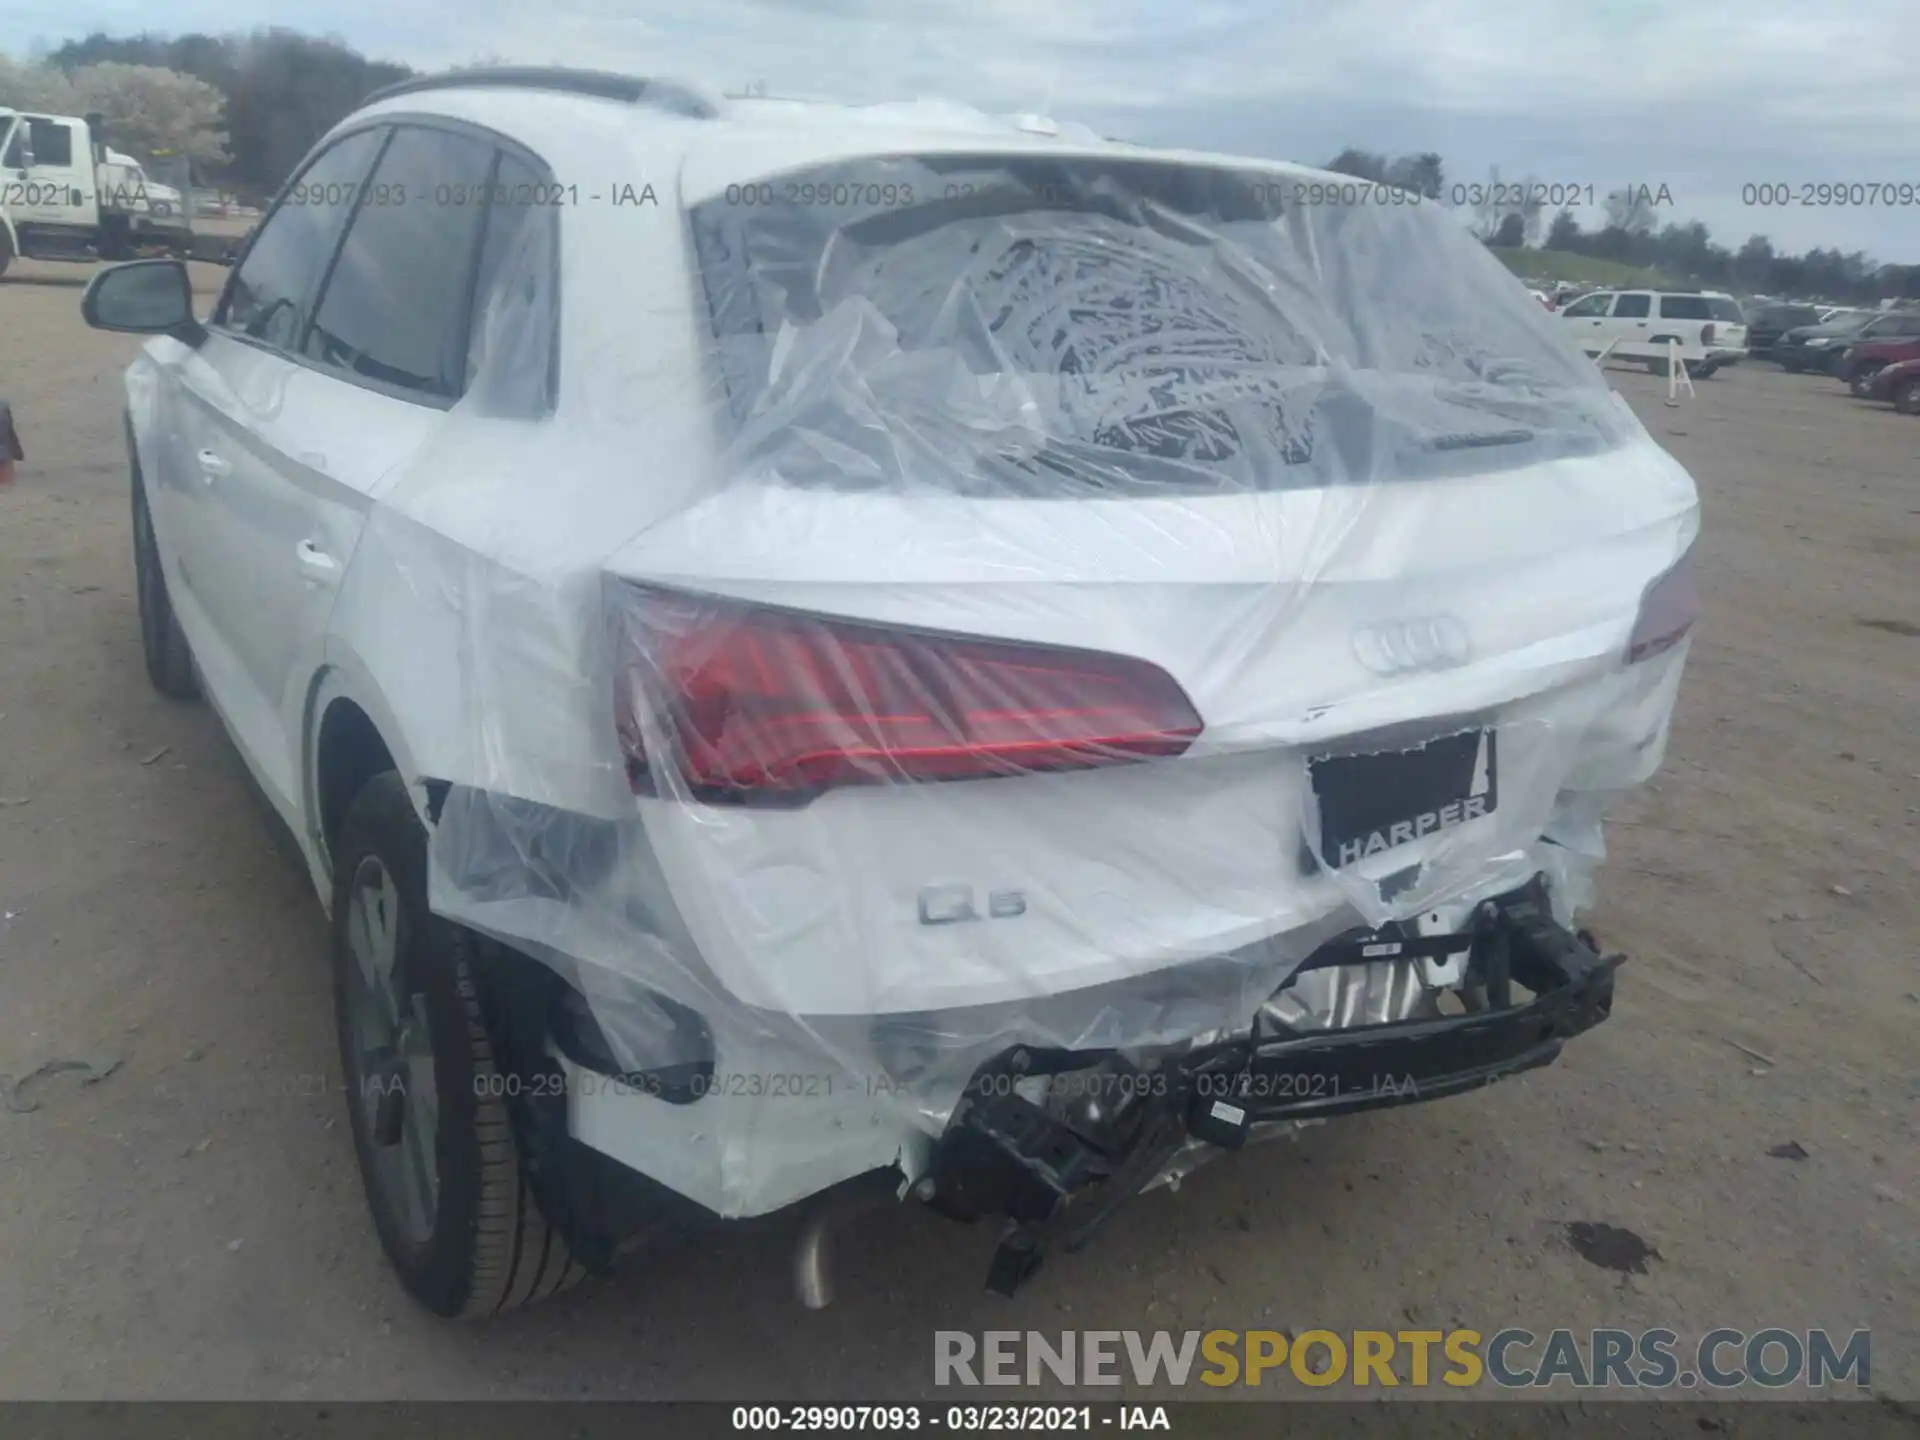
<point>1701,96</point>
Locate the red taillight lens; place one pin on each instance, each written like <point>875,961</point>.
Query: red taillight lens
<point>1667,612</point>
<point>764,703</point>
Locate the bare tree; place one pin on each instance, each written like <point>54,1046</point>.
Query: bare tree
<point>152,111</point>
<point>146,109</point>
<point>1630,210</point>
<point>36,87</point>
<point>1487,201</point>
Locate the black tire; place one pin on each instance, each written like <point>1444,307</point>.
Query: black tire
<point>162,642</point>
<point>1705,372</point>
<point>1658,367</point>
<point>484,1247</point>
<point>1861,382</point>
<point>1906,399</point>
<point>116,239</point>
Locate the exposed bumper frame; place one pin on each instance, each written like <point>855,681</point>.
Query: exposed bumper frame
<point>1057,1183</point>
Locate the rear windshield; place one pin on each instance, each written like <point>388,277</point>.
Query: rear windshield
<point>1044,327</point>
<point>1701,307</point>
<point>1786,317</point>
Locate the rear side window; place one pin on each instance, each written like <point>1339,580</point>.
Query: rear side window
<point>394,309</point>
<point>267,297</point>
<point>1684,307</point>
<point>1631,306</point>
<point>509,354</point>
<point>51,142</point>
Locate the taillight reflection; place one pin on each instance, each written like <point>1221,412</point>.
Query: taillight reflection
<point>1667,612</point>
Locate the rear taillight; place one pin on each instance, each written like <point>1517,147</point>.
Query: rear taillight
<point>744,702</point>
<point>1706,334</point>
<point>1667,611</point>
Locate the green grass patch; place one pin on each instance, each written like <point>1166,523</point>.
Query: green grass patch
<point>1564,265</point>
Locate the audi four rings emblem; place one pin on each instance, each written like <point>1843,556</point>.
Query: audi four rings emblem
<point>1432,642</point>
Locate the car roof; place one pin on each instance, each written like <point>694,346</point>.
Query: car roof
<point>595,119</point>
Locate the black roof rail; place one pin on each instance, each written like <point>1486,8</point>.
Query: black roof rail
<point>601,84</point>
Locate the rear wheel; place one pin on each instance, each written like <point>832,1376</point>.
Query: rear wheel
<point>1906,398</point>
<point>162,642</point>
<point>430,1126</point>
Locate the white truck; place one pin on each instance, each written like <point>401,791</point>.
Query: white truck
<point>65,196</point>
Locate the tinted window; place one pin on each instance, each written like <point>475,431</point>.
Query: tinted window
<point>1589,305</point>
<point>16,157</point>
<point>1631,306</point>
<point>269,293</point>
<point>395,307</point>
<point>51,142</point>
<point>1904,325</point>
<point>1685,307</point>
<point>512,326</point>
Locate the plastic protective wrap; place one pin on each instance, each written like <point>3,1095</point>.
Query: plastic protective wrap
<point>1002,596</point>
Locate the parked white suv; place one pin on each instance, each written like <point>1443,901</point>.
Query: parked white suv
<point>804,644</point>
<point>1707,326</point>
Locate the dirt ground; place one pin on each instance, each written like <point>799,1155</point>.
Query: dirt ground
<point>191,1225</point>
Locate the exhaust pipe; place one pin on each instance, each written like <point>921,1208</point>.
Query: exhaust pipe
<point>813,1249</point>
<point>813,1260</point>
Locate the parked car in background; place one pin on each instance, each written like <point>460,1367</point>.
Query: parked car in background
<point>1819,347</point>
<point>1768,323</point>
<point>1863,360</point>
<point>1898,385</point>
<point>1707,326</point>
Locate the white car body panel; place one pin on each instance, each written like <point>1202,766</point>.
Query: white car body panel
<point>461,607</point>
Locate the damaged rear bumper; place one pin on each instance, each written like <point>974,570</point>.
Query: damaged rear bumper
<point>1057,1141</point>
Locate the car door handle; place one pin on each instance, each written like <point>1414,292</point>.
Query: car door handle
<point>318,567</point>
<point>212,467</point>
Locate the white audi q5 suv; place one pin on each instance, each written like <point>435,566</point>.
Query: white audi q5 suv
<point>817,651</point>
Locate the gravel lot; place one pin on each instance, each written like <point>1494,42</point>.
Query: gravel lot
<point>191,1224</point>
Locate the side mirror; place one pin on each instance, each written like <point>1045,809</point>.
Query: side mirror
<point>143,297</point>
